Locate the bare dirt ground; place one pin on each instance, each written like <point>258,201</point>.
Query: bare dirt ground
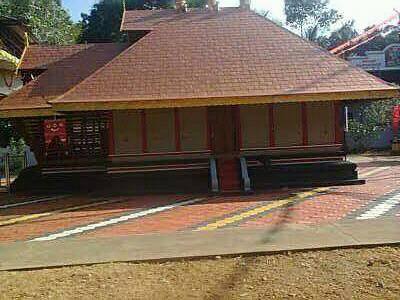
<point>336,274</point>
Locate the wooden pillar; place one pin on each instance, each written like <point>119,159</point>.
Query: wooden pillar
<point>178,146</point>
<point>238,125</point>
<point>144,131</point>
<point>111,138</point>
<point>271,125</point>
<point>304,122</point>
<point>209,130</point>
<point>338,122</point>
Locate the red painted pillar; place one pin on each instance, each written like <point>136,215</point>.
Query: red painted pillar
<point>238,125</point>
<point>111,140</point>
<point>178,146</point>
<point>396,122</point>
<point>338,122</point>
<point>144,131</point>
<point>271,125</point>
<point>304,122</point>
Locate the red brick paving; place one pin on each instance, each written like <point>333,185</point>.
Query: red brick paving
<point>6,198</point>
<point>186,216</point>
<point>333,206</point>
<point>62,221</point>
<point>46,206</point>
<point>330,207</point>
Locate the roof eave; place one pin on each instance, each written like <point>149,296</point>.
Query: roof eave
<point>118,104</point>
<point>27,112</point>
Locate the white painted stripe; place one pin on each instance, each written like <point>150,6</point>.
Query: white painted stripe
<point>114,221</point>
<point>32,201</point>
<point>381,208</point>
<point>373,171</point>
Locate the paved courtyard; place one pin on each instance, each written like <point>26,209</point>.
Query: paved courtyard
<point>57,217</point>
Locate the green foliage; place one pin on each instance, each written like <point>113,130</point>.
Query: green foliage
<point>311,17</point>
<point>17,147</point>
<point>339,36</point>
<point>196,3</point>
<point>48,21</point>
<point>379,43</point>
<point>369,119</point>
<point>6,132</point>
<point>104,20</point>
<point>17,155</point>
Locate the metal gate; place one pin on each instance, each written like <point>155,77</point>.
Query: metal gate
<point>11,166</point>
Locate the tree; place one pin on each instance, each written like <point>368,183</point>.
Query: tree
<point>48,21</point>
<point>196,3</point>
<point>103,22</point>
<point>345,33</point>
<point>311,17</point>
<point>369,119</point>
<point>379,43</point>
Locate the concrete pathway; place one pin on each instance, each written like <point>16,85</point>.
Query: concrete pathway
<point>234,241</point>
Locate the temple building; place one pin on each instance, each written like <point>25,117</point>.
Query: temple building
<point>221,92</point>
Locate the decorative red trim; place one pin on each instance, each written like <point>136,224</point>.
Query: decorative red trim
<point>304,123</point>
<point>238,125</point>
<point>271,125</point>
<point>178,146</point>
<point>338,122</point>
<point>305,160</point>
<point>163,154</point>
<point>144,131</point>
<point>293,147</point>
<point>111,140</point>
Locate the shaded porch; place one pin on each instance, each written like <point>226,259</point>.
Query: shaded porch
<point>228,147</point>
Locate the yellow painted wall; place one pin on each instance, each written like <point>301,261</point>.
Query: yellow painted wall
<point>321,123</point>
<point>193,128</point>
<point>255,126</point>
<point>288,125</point>
<point>160,130</point>
<point>127,132</point>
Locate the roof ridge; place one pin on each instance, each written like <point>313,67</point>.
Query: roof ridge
<point>98,70</point>
<point>73,45</point>
<point>293,66</point>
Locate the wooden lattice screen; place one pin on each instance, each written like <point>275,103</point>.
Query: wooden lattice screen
<point>87,137</point>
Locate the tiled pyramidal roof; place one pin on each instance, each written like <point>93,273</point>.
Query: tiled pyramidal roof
<point>43,56</point>
<point>208,55</point>
<point>65,68</point>
<point>203,54</point>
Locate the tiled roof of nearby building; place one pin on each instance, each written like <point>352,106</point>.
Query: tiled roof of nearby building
<point>151,19</point>
<point>42,56</point>
<point>230,53</point>
<point>61,76</point>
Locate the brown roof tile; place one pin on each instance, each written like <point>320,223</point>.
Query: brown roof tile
<point>42,56</point>
<point>61,76</point>
<point>232,53</point>
<point>152,19</point>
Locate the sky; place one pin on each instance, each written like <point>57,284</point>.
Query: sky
<point>364,12</point>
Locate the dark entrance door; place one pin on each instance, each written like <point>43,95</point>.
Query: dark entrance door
<point>223,129</point>
<point>223,125</point>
